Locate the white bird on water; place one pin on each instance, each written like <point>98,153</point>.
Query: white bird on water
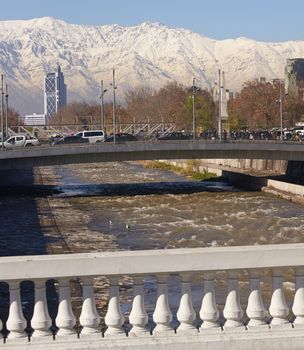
<point>127,226</point>
<point>110,222</point>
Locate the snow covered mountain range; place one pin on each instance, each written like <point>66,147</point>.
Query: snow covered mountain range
<point>149,54</point>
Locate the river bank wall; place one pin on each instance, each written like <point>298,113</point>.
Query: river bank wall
<point>260,175</point>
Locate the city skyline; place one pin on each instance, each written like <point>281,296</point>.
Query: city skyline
<point>260,20</point>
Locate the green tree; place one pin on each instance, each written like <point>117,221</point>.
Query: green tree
<point>204,110</point>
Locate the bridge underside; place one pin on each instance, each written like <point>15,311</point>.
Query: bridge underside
<point>46,156</point>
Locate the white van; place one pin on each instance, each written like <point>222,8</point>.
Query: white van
<point>92,136</point>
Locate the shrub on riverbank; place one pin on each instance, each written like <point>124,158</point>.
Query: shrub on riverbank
<point>191,169</point>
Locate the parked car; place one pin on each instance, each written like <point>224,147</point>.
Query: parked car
<point>72,139</point>
<point>121,137</point>
<point>21,141</point>
<point>175,136</point>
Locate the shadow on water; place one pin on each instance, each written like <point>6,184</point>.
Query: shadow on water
<point>146,188</point>
<point>22,233</point>
<point>117,189</point>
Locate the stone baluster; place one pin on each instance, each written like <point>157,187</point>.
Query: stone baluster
<point>278,309</point>
<point>255,307</point>
<point>233,312</point>
<point>41,321</point>
<point>298,303</point>
<point>186,314</point>
<point>114,318</point>
<point>16,322</point>
<point>89,317</point>
<point>65,319</point>
<point>162,315</point>
<point>138,316</point>
<point>209,312</point>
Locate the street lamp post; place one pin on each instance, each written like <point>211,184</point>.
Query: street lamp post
<point>114,106</point>
<point>193,108</point>
<point>280,100</point>
<point>220,107</point>
<point>281,116</point>
<point>102,112</point>
<point>6,111</point>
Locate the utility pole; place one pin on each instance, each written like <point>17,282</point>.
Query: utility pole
<point>220,107</point>
<point>102,112</point>
<point>281,113</point>
<point>193,108</point>
<point>2,112</point>
<point>114,105</point>
<point>6,111</point>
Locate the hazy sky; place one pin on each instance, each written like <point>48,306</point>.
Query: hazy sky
<point>265,20</point>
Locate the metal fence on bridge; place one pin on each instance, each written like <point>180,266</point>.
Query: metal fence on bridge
<point>145,130</point>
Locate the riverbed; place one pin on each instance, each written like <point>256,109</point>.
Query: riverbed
<point>124,206</point>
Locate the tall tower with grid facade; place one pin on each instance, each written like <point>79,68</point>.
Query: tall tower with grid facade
<point>54,92</point>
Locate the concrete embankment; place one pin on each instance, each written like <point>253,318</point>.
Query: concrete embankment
<point>267,176</point>
<point>280,188</point>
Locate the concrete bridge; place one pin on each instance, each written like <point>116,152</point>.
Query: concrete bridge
<point>109,152</point>
<point>258,317</point>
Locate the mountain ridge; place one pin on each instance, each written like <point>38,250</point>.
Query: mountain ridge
<point>151,54</point>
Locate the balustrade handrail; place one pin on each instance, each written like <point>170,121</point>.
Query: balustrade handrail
<point>149,262</point>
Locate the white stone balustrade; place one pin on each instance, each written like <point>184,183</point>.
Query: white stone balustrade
<point>233,312</point>
<point>186,314</point>
<point>209,312</point>
<point>89,317</point>
<point>16,323</point>
<point>65,319</point>
<point>138,316</point>
<point>278,309</point>
<point>199,268</point>
<point>255,307</point>
<point>298,303</point>
<point>41,321</point>
<point>114,318</point>
<point>162,315</point>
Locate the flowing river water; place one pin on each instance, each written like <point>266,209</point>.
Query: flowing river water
<point>139,208</point>
<point>125,206</point>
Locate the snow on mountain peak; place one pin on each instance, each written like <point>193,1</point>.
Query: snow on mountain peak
<point>146,54</point>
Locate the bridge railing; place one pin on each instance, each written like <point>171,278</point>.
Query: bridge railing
<point>211,269</point>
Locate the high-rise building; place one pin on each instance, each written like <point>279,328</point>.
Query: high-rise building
<point>54,92</point>
<point>294,75</point>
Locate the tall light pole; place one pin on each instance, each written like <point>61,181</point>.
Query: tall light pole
<point>281,113</point>
<point>280,100</point>
<point>6,111</point>
<point>102,112</point>
<point>220,107</point>
<point>193,108</point>
<point>114,106</point>
<point>2,112</point>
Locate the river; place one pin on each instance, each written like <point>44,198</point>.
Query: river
<point>139,208</point>
<point>125,206</point>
